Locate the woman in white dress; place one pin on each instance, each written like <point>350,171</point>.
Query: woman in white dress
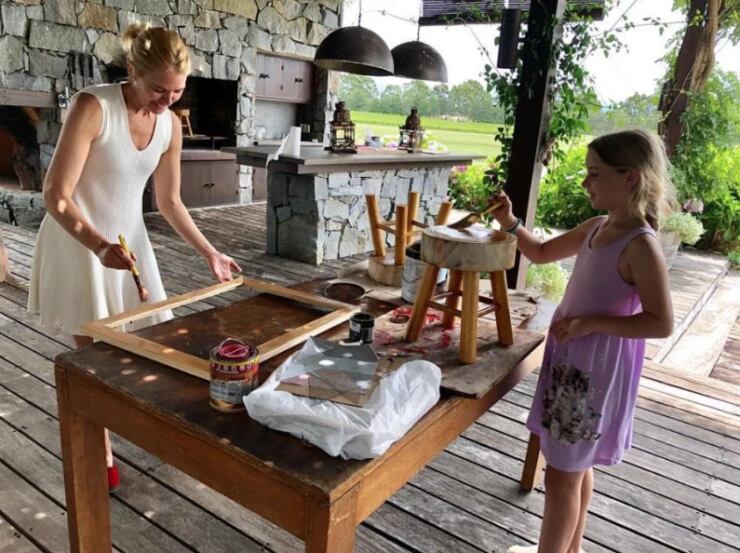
<point>114,138</point>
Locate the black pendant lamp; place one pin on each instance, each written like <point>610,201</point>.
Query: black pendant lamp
<point>418,60</point>
<point>355,50</point>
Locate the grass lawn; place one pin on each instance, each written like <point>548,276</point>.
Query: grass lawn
<point>457,142</point>
<point>471,138</point>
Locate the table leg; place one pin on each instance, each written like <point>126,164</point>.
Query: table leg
<point>85,480</point>
<point>332,526</point>
<point>533,463</point>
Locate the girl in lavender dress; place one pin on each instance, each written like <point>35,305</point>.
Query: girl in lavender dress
<point>617,296</point>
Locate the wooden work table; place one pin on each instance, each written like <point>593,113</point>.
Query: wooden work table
<point>318,498</point>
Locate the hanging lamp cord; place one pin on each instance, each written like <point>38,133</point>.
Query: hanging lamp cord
<point>359,15</point>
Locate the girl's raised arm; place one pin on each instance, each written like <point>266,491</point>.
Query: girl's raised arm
<point>534,249</point>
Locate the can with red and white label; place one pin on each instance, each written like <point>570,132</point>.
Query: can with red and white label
<point>234,374</point>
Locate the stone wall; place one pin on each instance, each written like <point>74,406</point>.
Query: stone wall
<point>316,217</point>
<point>37,36</point>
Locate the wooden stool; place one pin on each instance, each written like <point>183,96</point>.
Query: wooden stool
<point>466,253</point>
<point>184,115</point>
<point>388,268</point>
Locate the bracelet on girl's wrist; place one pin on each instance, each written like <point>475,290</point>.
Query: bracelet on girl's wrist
<point>513,228</point>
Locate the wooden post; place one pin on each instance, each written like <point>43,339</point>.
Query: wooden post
<point>401,225</point>
<point>373,214</point>
<point>469,323</point>
<point>532,119</point>
<point>443,214</point>
<point>413,210</point>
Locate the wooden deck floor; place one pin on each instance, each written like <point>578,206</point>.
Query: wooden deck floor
<point>678,489</point>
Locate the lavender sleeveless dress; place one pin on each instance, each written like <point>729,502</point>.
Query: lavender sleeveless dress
<point>586,393</point>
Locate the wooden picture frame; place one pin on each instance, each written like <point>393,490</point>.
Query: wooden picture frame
<point>107,330</point>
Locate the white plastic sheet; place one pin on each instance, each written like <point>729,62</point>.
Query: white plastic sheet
<point>398,402</point>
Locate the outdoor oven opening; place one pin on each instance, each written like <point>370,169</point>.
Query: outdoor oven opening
<point>20,162</point>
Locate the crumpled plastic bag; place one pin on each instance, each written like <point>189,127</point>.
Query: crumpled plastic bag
<point>399,401</point>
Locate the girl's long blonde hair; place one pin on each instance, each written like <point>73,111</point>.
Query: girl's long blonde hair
<point>644,152</point>
<point>155,48</point>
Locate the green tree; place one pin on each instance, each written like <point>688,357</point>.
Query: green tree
<point>391,100</point>
<point>639,110</point>
<point>470,99</point>
<point>359,92</point>
<point>417,94</point>
<point>440,102</point>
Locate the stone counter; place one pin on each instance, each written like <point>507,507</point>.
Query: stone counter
<point>316,206</point>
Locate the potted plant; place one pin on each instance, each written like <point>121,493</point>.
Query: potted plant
<point>680,227</point>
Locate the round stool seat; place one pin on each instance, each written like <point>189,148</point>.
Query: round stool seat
<point>475,248</point>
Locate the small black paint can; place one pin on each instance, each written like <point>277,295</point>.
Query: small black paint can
<point>361,327</point>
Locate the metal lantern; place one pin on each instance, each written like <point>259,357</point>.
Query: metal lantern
<point>412,133</point>
<point>342,139</point>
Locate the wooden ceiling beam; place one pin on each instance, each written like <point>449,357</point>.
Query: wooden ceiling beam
<point>456,12</point>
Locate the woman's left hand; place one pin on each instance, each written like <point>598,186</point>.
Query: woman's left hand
<point>222,266</point>
<point>570,327</point>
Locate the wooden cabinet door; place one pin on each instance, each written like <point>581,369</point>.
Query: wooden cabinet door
<point>196,183</point>
<point>225,179</point>
<point>284,79</point>
<point>269,76</point>
<point>298,80</point>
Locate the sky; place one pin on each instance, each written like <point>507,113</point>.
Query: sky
<point>616,78</point>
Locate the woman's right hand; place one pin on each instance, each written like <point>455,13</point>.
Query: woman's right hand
<point>503,214</point>
<point>114,256</point>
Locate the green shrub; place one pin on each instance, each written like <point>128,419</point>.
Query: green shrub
<point>562,201</point>
<point>706,164</point>
<point>550,279</point>
<point>468,189</point>
<point>688,227</point>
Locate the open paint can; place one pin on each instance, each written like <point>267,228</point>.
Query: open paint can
<point>234,374</point>
<point>361,327</point>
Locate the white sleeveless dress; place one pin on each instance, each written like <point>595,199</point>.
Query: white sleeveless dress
<point>69,284</point>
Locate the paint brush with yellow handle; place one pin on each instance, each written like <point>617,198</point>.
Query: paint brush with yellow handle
<point>143,292</point>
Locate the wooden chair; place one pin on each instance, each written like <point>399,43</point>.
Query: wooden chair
<point>488,250</point>
<point>385,268</point>
<point>184,115</point>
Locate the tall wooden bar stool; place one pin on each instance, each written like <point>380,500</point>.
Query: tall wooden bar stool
<point>467,254</point>
<point>184,115</point>
<point>388,268</point>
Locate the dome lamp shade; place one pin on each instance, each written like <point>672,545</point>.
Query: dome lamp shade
<point>355,50</point>
<point>418,60</point>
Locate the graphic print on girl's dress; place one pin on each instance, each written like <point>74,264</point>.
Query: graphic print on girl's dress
<point>566,414</point>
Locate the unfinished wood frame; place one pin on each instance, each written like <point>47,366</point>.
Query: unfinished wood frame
<point>107,330</point>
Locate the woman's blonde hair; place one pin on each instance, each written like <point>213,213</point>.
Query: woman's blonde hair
<point>155,48</point>
<point>642,151</point>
